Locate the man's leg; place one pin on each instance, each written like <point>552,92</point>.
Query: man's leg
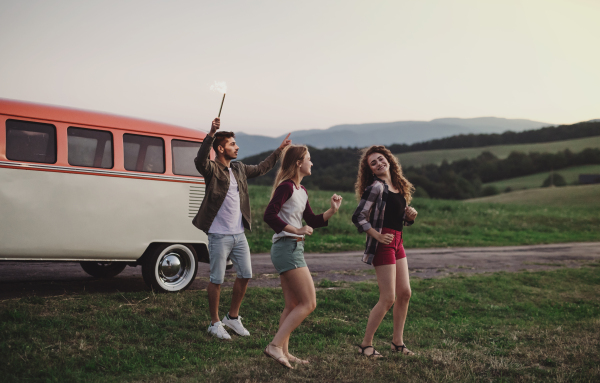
<point>219,247</point>
<point>239,290</point>
<point>214,295</point>
<point>240,256</point>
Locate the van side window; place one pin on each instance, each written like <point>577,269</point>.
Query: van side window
<point>91,148</point>
<point>144,153</point>
<point>184,153</point>
<point>30,141</point>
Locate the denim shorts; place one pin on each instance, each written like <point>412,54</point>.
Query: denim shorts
<point>232,246</point>
<point>287,254</point>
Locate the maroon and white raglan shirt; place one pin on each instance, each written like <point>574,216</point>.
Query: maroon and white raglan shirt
<point>289,206</point>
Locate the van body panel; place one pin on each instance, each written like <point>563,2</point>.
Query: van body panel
<point>54,215</point>
<point>55,211</point>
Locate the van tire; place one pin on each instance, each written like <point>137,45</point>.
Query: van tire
<point>103,269</point>
<point>170,267</point>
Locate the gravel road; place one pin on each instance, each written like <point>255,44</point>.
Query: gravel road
<point>19,279</point>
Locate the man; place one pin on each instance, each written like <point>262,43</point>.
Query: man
<point>223,215</point>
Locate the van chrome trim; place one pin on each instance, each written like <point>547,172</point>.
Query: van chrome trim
<point>98,172</point>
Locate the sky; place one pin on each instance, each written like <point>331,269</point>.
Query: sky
<point>292,65</point>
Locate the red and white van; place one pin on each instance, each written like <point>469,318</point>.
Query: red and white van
<point>104,190</point>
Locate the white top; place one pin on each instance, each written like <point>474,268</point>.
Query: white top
<point>292,211</point>
<point>229,216</point>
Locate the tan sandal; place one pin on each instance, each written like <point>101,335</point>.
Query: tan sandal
<point>294,359</point>
<point>283,360</point>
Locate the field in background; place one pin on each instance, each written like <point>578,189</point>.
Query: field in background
<point>521,327</point>
<point>571,175</point>
<point>500,151</point>
<point>442,223</point>
<point>565,197</point>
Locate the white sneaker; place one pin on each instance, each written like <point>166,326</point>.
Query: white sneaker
<point>236,325</point>
<point>219,331</point>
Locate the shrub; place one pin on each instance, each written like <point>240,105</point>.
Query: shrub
<point>554,179</point>
<point>489,190</point>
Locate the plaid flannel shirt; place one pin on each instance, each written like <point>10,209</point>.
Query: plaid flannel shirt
<point>369,214</point>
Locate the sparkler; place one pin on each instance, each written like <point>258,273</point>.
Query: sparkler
<point>221,87</point>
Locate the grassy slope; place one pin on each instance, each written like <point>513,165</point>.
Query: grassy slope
<point>566,197</point>
<point>571,175</point>
<point>501,151</point>
<point>523,327</point>
<point>450,223</point>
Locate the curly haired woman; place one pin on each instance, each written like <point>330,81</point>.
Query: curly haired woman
<point>382,212</point>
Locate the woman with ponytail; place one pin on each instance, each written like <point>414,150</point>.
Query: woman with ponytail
<point>284,214</point>
<point>384,195</point>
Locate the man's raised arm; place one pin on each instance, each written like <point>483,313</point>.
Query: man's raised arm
<point>268,163</point>
<point>204,166</point>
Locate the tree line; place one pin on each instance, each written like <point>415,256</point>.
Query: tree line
<point>548,134</point>
<point>336,170</point>
<point>464,178</point>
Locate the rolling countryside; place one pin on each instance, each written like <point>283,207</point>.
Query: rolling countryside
<point>571,175</point>
<point>500,151</point>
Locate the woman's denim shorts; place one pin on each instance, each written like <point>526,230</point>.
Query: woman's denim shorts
<point>287,254</point>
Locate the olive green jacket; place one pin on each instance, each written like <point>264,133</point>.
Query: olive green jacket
<point>216,178</point>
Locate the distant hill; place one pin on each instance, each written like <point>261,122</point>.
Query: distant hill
<point>400,132</point>
<point>463,175</point>
<point>424,157</point>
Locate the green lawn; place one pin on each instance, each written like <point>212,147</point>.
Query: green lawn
<point>571,175</point>
<point>520,327</point>
<point>575,198</point>
<point>442,223</point>
<point>501,151</point>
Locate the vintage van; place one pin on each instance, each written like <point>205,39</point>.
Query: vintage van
<point>103,190</point>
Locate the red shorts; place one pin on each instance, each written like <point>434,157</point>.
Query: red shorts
<point>387,254</point>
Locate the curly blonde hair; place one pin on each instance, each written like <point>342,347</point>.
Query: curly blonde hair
<point>366,177</point>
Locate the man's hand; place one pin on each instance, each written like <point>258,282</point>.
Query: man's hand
<point>216,124</point>
<point>411,213</point>
<point>286,142</point>
<point>336,201</point>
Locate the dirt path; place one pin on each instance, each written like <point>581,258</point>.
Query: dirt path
<point>18,279</point>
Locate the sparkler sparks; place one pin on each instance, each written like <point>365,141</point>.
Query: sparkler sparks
<point>221,87</point>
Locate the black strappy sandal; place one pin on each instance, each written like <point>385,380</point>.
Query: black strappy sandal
<point>374,355</point>
<point>401,349</point>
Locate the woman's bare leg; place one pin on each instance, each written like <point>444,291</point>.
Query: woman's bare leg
<point>290,303</point>
<point>386,280</point>
<point>300,282</point>
<point>403,293</point>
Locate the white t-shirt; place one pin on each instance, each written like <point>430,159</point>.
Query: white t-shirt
<point>229,216</point>
<point>291,212</point>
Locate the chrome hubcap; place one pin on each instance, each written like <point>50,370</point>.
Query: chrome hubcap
<point>170,265</point>
<point>173,267</point>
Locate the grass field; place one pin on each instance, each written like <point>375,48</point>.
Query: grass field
<point>443,223</point>
<point>521,327</point>
<point>568,197</point>
<point>571,175</point>
<point>500,151</point>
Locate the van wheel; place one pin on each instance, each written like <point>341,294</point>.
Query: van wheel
<point>103,269</point>
<point>170,267</point>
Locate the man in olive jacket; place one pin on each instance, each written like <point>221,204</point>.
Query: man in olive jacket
<point>223,216</point>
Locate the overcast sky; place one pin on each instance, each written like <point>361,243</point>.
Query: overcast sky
<point>306,64</point>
